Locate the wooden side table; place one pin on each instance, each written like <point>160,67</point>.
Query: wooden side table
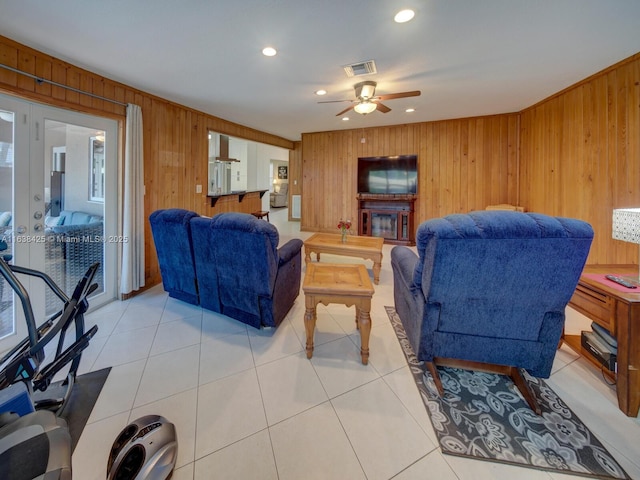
<point>338,283</point>
<point>619,312</point>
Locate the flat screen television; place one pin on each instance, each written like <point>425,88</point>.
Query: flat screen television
<point>388,175</point>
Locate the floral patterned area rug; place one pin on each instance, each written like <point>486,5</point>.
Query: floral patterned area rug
<point>483,416</point>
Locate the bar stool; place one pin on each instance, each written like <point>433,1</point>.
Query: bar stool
<point>261,214</point>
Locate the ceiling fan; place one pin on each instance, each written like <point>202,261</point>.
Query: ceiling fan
<point>367,101</point>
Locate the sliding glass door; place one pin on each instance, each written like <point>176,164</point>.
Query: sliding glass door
<point>58,199</point>
<point>14,147</point>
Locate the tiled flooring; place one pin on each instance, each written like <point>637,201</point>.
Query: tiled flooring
<point>248,404</point>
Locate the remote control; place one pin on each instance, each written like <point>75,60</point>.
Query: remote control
<point>621,281</point>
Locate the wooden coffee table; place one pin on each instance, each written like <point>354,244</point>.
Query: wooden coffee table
<point>369,248</point>
<point>346,284</point>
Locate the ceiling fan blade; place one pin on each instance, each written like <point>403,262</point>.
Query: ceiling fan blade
<point>382,108</point>
<point>336,101</point>
<point>344,111</point>
<point>391,96</point>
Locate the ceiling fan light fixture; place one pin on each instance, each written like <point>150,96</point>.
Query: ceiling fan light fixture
<point>404,16</point>
<point>365,90</point>
<point>368,91</point>
<point>365,107</point>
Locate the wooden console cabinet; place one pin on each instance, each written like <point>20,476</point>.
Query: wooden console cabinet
<point>387,216</point>
<point>618,312</point>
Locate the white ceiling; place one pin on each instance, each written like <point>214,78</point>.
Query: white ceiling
<point>468,57</point>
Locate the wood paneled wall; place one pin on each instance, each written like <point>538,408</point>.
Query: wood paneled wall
<point>580,155</point>
<point>175,137</point>
<point>575,154</point>
<point>463,165</point>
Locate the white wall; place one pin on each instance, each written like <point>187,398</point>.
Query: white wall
<point>238,150</point>
<point>252,172</point>
<point>76,175</point>
<point>269,154</point>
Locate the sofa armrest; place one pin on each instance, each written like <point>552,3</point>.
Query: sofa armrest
<point>408,298</point>
<point>405,261</point>
<point>289,250</point>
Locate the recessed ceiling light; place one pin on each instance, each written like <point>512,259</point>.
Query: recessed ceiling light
<point>344,119</point>
<point>269,51</point>
<point>404,16</point>
<point>321,92</point>
<point>410,110</point>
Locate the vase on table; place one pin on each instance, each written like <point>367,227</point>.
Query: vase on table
<point>344,236</point>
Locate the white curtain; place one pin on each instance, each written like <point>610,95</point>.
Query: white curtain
<point>132,277</point>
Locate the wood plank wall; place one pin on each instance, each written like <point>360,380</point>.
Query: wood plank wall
<point>463,165</point>
<point>580,155</point>
<point>575,154</point>
<point>175,137</point>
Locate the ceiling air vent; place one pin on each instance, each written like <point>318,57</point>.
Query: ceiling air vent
<point>360,68</point>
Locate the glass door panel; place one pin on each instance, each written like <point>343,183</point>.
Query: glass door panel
<point>14,167</point>
<point>74,205</point>
<point>79,158</point>
<point>7,118</point>
<point>384,225</point>
<point>58,198</point>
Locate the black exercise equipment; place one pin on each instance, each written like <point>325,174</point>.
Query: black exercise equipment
<point>24,361</point>
<point>38,444</point>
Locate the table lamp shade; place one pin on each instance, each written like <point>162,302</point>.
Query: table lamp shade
<point>626,225</point>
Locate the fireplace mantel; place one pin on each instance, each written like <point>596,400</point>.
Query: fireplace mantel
<point>389,216</point>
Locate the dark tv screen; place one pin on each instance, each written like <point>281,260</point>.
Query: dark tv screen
<point>388,175</point>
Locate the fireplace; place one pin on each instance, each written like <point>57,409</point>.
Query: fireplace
<point>388,216</point>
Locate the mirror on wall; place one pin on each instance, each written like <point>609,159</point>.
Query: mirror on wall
<point>227,164</point>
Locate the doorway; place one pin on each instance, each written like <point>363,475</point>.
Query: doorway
<point>58,198</point>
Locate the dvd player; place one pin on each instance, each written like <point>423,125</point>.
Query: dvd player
<point>599,350</point>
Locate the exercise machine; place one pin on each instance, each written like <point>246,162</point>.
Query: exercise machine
<point>146,449</point>
<point>25,361</point>
<point>37,444</point>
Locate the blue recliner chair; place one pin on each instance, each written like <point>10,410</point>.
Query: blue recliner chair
<point>241,271</point>
<point>171,231</point>
<point>488,291</point>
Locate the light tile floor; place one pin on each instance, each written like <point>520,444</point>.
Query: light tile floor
<point>248,404</point>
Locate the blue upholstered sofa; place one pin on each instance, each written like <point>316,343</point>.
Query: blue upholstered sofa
<point>489,287</point>
<point>241,271</point>
<point>71,221</point>
<point>230,264</point>
<point>76,237</point>
<point>70,249</point>
<point>171,231</point>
